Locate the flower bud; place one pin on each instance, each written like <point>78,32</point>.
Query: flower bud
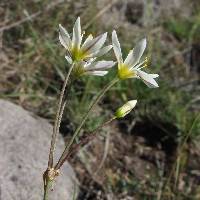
<point>125,109</point>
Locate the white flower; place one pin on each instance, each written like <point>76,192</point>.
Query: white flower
<point>76,51</point>
<point>125,109</point>
<point>131,67</point>
<point>92,67</point>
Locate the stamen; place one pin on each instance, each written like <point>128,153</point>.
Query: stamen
<point>137,66</point>
<point>145,62</point>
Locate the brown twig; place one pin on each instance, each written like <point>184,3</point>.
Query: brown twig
<point>30,17</point>
<point>100,13</point>
<point>17,23</point>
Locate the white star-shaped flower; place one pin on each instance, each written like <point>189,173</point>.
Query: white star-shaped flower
<point>131,66</point>
<point>76,51</point>
<point>92,67</point>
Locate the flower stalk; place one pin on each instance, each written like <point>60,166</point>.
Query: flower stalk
<point>58,118</point>
<point>97,99</point>
<point>85,140</point>
<point>50,174</point>
<point>46,189</point>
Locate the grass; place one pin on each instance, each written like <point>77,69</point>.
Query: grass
<point>39,68</point>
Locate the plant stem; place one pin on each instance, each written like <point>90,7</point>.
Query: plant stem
<point>58,118</point>
<point>46,191</point>
<point>97,99</point>
<point>46,186</point>
<point>49,177</point>
<point>89,137</point>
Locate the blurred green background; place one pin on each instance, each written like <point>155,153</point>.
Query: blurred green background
<point>154,152</point>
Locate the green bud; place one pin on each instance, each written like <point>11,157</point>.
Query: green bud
<point>125,109</point>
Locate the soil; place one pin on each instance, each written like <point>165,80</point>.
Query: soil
<point>138,164</point>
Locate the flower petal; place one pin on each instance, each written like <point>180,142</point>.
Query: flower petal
<point>95,44</point>
<point>88,39</point>
<point>116,47</point>
<point>132,103</point>
<point>97,73</point>
<point>154,75</point>
<point>100,65</point>
<point>137,53</point>
<point>77,37</point>
<point>64,37</point>
<point>103,51</point>
<point>148,79</point>
<point>69,60</point>
<point>128,59</point>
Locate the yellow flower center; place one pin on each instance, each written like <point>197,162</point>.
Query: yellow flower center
<point>78,70</point>
<point>78,54</point>
<point>124,72</point>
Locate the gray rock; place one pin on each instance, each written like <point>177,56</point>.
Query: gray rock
<point>24,146</point>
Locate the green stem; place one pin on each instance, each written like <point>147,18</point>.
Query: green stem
<point>97,99</point>
<point>46,187</point>
<point>84,141</point>
<point>58,118</point>
<point>46,192</point>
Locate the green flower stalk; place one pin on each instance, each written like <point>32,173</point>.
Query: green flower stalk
<point>76,133</point>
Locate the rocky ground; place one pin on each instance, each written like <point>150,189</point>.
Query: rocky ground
<point>149,154</point>
<point>137,165</point>
<point>24,147</point>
